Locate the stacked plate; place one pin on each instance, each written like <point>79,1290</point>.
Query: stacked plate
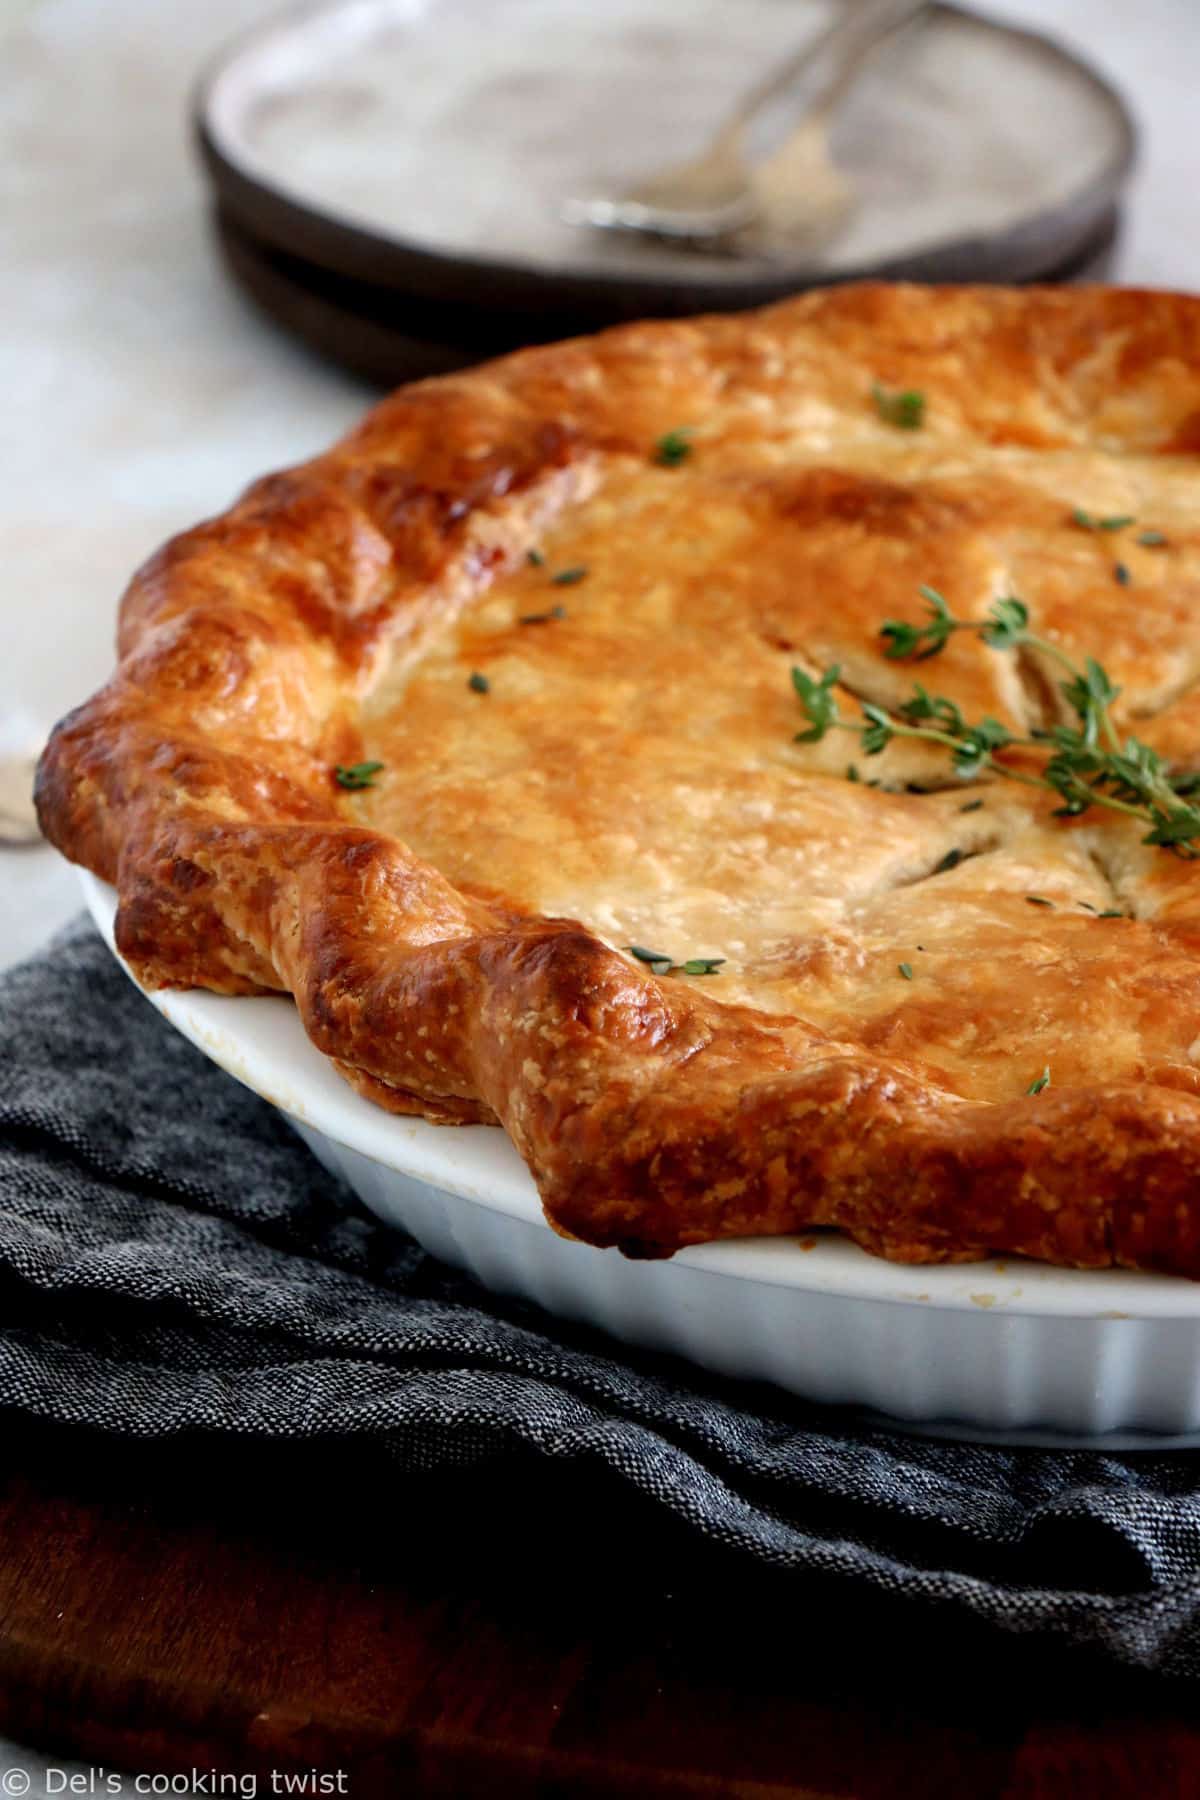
<point>390,175</point>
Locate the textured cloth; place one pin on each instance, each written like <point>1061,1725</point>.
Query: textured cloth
<point>173,1260</point>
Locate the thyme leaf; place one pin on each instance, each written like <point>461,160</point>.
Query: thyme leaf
<point>673,448</point>
<point>818,703</point>
<point>356,776</point>
<point>902,407</point>
<point>654,958</point>
<point>661,964</point>
<point>543,618</point>
<point>1089,522</point>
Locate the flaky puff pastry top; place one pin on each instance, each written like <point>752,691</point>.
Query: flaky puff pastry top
<point>572,660</point>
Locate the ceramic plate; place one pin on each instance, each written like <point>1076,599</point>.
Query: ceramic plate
<point>428,145</point>
<point>365,330</point>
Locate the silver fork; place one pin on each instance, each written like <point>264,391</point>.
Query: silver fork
<point>797,191</point>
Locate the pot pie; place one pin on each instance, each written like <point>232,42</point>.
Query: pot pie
<point>478,736</point>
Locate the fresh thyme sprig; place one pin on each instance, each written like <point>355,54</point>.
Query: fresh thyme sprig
<point>1005,626</point>
<point>1086,763</point>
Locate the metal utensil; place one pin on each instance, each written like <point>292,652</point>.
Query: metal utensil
<point>797,192</point>
<point>18,821</point>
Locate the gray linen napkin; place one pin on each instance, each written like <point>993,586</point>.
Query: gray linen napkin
<point>172,1261</point>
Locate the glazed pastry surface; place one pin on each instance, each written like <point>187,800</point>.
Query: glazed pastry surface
<point>572,661</point>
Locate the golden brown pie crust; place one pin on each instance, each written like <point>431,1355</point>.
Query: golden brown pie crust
<point>454,936</point>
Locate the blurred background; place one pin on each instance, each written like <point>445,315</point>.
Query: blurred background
<point>144,383</point>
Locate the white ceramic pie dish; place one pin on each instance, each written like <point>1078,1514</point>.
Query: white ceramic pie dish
<point>1013,1350</point>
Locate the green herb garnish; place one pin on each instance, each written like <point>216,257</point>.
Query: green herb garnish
<point>654,958</point>
<point>905,970</point>
<point>356,775</point>
<point>971,806</point>
<point>1121,575</point>
<point>1111,912</point>
<point>819,704</point>
<point>1086,763</point>
<point>950,861</point>
<point>568,577</point>
<point>1089,522</point>
<point>1038,900</point>
<point>478,684</point>
<point>1042,1081</point>
<point>1003,628</point>
<point>543,618</point>
<point>661,964</point>
<point>673,448</point>
<point>535,557</point>
<point>1153,540</point>
<point>903,407</point>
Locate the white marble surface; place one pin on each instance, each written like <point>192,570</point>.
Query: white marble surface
<point>141,393</point>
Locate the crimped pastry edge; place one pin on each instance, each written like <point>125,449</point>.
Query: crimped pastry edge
<point>197,781</point>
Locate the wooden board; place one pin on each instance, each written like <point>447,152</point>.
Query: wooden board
<point>243,1610</point>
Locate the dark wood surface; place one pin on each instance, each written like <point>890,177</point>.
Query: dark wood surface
<point>214,1607</point>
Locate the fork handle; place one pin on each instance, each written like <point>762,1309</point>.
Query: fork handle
<point>846,41</point>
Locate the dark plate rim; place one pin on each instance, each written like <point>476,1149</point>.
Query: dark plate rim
<point>365,330</point>
<point>1044,240</point>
